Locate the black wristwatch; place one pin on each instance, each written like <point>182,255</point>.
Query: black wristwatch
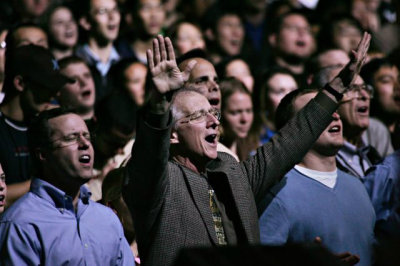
<point>338,96</point>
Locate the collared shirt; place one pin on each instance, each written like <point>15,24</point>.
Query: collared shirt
<point>354,159</point>
<point>42,228</point>
<point>94,60</point>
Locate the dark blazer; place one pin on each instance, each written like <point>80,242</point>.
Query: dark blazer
<point>170,203</point>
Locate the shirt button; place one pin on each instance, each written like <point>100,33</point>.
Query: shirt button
<point>86,245</point>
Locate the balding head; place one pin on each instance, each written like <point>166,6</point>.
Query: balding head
<point>203,78</point>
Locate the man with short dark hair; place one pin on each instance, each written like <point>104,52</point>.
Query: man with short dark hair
<point>31,80</point>
<point>315,199</point>
<point>293,42</point>
<point>56,223</point>
<point>101,20</point>
<point>79,95</point>
<point>180,190</point>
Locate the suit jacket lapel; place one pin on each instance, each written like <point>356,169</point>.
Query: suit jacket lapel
<point>240,196</point>
<point>198,186</point>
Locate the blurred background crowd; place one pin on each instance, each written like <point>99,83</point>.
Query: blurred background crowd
<point>261,50</point>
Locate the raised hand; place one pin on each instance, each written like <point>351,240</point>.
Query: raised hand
<point>349,73</point>
<point>163,68</point>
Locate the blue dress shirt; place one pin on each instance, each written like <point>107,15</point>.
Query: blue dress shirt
<point>42,228</point>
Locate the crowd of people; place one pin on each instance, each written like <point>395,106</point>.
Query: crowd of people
<point>132,129</point>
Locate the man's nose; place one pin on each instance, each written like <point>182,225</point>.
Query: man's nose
<point>213,86</point>
<point>336,116</point>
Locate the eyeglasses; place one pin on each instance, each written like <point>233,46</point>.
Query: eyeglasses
<point>200,116</point>
<point>354,91</point>
<point>108,11</point>
<point>73,138</point>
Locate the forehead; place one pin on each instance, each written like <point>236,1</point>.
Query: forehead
<point>135,68</point>
<point>228,18</point>
<point>239,98</point>
<point>61,12</point>
<point>202,68</point>
<point>302,100</point>
<point>190,102</point>
<point>237,66</point>
<point>101,3</point>
<point>333,57</point>
<point>295,19</point>
<point>149,2</point>
<point>281,79</point>
<point>187,28</point>
<point>387,70</point>
<point>26,32</point>
<point>66,124</point>
<point>75,68</point>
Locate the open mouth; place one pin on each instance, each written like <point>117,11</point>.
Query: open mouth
<point>86,94</point>
<point>334,129</point>
<point>300,43</point>
<point>111,27</point>
<point>362,109</point>
<point>211,138</point>
<point>84,159</point>
<point>214,101</point>
<point>235,42</point>
<point>2,197</point>
<point>69,34</point>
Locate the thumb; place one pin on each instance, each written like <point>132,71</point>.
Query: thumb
<point>189,67</point>
<point>318,240</point>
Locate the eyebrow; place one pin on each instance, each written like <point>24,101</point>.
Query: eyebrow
<point>202,78</point>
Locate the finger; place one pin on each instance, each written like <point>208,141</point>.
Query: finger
<point>188,70</point>
<point>317,240</point>
<point>343,255</point>
<point>150,61</point>
<point>170,49</point>
<point>353,259</point>
<point>162,48</point>
<point>156,51</point>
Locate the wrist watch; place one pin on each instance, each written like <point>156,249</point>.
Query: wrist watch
<point>338,96</point>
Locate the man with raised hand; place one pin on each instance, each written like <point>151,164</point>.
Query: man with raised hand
<point>181,191</point>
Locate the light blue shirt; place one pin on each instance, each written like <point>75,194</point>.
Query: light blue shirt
<point>42,228</point>
<point>94,60</point>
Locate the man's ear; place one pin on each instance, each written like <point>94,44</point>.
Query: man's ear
<point>174,138</point>
<point>272,40</point>
<point>40,154</point>
<point>19,83</point>
<point>129,19</point>
<point>85,24</point>
<point>209,34</point>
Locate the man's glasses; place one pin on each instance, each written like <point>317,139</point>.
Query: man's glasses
<point>72,139</point>
<point>354,91</point>
<point>200,116</point>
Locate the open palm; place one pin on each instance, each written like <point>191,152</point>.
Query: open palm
<point>163,68</point>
